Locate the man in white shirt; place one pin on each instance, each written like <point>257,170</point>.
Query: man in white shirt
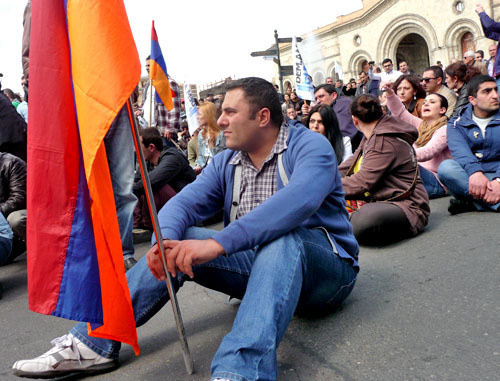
<point>389,74</point>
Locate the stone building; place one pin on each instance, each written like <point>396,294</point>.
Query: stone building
<point>421,32</point>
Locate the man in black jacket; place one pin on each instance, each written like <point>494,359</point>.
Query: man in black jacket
<point>13,199</point>
<point>169,172</point>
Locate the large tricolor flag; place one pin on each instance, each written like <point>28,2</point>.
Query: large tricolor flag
<point>158,73</point>
<point>83,67</point>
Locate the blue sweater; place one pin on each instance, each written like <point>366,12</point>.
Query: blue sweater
<point>313,198</point>
<point>469,148</point>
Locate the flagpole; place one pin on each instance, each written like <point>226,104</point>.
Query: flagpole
<point>188,360</point>
<point>151,95</point>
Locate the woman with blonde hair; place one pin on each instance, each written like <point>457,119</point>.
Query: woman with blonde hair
<point>211,139</point>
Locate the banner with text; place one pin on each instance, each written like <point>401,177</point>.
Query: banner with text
<point>303,81</point>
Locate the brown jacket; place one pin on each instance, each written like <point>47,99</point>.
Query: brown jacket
<point>388,170</point>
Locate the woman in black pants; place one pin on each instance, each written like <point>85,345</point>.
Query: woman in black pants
<point>386,197</point>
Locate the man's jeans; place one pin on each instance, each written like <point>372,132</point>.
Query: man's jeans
<point>296,271</point>
<point>120,152</point>
<point>431,183</point>
<point>6,236</point>
<point>454,177</point>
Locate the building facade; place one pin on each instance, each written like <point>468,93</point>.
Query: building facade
<point>420,32</point>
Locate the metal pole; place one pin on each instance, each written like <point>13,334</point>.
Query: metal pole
<point>151,95</point>
<point>279,61</point>
<point>188,360</point>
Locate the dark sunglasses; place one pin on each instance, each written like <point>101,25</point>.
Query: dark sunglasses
<point>426,80</point>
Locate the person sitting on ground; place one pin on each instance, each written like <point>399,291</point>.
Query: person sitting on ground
<point>407,88</point>
<point>457,77</point>
<point>192,148</point>
<point>473,176</point>
<point>271,253</point>
<point>211,138</point>
<point>13,129</point>
<point>13,199</point>
<point>432,82</point>
<point>431,146</point>
<point>169,172</point>
<point>389,200</point>
<point>322,119</point>
<point>326,94</point>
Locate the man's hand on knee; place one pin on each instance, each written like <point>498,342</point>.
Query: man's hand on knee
<point>477,185</point>
<point>493,192</point>
<point>182,255</point>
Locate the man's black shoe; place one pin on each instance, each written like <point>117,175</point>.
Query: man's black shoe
<point>129,263</point>
<point>458,206</point>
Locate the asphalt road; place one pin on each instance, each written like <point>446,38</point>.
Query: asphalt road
<point>427,308</point>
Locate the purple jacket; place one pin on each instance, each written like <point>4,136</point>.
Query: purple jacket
<point>342,108</point>
<point>491,29</point>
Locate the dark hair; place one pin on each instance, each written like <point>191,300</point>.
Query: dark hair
<point>414,82</point>
<point>481,52</point>
<point>473,85</point>
<point>151,135</point>
<point>463,72</point>
<point>361,72</point>
<point>260,94</point>
<point>327,87</point>
<point>148,58</point>
<point>443,102</point>
<point>438,72</point>
<point>386,60</point>
<point>332,129</point>
<point>9,93</point>
<point>366,108</point>
<point>405,61</point>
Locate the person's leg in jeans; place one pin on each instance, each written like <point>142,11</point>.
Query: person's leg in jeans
<point>120,152</point>
<point>300,265</point>
<point>432,186</point>
<point>454,177</point>
<point>269,279</point>
<point>6,236</point>
<point>380,223</point>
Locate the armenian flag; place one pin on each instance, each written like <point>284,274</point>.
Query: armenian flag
<point>158,73</point>
<point>83,67</point>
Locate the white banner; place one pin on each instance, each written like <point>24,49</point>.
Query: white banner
<point>338,70</point>
<point>303,81</point>
<point>191,110</point>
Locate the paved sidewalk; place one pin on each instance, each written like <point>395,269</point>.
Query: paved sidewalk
<point>423,309</point>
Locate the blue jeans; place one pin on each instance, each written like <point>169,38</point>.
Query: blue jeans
<point>120,152</point>
<point>298,271</point>
<point>6,236</point>
<point>454,177</point>
<point>431,183</point>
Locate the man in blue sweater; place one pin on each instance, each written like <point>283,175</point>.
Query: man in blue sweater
<point>287,244</point>
<point>473,176</point>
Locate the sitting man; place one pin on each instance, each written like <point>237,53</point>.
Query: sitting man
<point>341,106</point>
<point>287,243</point>
<point>473,176</point>
<point>13,200</point>
<point>169,172</point>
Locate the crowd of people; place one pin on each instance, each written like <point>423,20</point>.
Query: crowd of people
<point>299,184</point>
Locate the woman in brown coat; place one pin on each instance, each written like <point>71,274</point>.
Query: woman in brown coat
<point>383,172</point>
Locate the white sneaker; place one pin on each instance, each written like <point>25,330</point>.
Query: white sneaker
<point>69,355</point>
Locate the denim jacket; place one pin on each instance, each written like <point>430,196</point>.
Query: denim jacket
<point>469,148</point>
<point>205,153</point>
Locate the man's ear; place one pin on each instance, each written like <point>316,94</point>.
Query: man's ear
<point>439,80</point>
<point>264,116</point>
<point>472,100</point>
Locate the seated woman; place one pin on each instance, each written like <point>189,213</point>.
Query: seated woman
<point>322,119</point>
<point>458,74</point>
<point>382,176</point>
<point>431,146</point>
<point>211,139</point>
<point>410,92</point>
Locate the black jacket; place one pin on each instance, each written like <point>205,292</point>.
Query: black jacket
<point>462,100</point>
<point>12,183</point>
<point>173,169</point>
<point>12,129</point>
